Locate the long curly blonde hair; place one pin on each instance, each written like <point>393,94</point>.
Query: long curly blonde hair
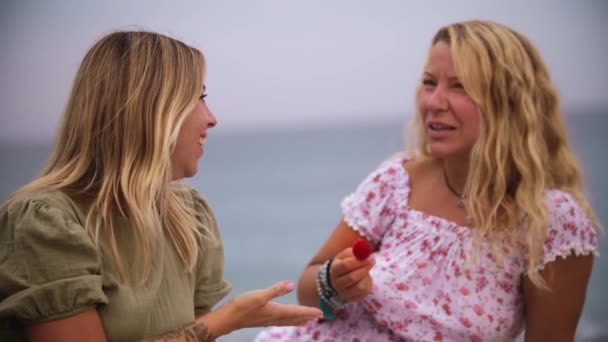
<point>130,96</point>
<point>523,147</point>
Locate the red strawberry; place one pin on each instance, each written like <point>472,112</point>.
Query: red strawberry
<point>361,249</point>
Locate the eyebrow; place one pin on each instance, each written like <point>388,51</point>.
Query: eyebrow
<point>450,79</point>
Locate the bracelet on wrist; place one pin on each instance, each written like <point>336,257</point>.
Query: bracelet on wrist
<point>329,300</point>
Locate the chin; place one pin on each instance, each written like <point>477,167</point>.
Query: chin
<point>442,152</point>
<point>437,151</point>
<point>190,173</point>
<point>187,173</point>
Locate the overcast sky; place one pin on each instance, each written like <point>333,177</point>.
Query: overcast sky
<point>282,64</point>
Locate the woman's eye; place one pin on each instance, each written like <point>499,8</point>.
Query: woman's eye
<point>428,82</point>
<point>202,97</point>
<point>458,85</point>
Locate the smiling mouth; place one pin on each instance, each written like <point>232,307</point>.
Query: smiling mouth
<point>440,127</point>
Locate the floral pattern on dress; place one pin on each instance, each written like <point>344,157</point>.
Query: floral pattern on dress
<point>425,287</point>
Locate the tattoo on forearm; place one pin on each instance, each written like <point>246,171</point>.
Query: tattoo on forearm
<point>192,332</point>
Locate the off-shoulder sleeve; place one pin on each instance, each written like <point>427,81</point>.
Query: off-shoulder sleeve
<point>371,208</point>
<point>210,285</point>
<point>570,229</point>
<point>49,266</point>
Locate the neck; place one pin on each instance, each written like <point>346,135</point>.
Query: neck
<point>456,172</point>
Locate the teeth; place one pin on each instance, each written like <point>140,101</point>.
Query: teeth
<point>201,141</point>
<point>440,126</point>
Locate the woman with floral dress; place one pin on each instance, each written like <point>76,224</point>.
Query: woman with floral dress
<point>479,232</point>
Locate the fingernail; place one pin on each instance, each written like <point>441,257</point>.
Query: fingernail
<point>288,286</point>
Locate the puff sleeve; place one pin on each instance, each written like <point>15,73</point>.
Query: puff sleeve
<point>570,229</point>
<point>49,266</point>
<point>371,209</point>
<point>210,285</point>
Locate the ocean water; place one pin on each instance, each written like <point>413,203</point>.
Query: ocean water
<point>276,196</point>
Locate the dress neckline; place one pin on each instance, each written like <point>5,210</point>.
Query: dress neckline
<point>446,223</point>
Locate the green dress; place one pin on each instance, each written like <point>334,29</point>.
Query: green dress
<point>50,269</point>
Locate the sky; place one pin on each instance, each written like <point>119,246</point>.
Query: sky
<point>280,64</point>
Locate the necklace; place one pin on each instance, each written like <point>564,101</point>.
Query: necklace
<point>460,196</point>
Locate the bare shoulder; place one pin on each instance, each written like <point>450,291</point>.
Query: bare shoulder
<point>418,168</point>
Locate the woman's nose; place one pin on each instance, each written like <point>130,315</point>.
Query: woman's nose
<point>211,119</point>
<point>438,99</point>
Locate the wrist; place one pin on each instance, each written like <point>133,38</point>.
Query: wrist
<point>218,321</point>
<point>330,301</point>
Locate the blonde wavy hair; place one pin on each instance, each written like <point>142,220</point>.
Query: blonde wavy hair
<point>130,96</point>
<point>523,147</point>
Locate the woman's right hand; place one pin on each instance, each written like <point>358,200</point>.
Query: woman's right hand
<point>350,277</point>
<point>255,309</point>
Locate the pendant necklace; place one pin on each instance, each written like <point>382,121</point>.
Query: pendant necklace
<point>461,197</point>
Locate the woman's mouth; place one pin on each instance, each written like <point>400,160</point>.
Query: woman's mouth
<point>436,130</point>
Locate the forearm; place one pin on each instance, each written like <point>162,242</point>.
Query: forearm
<point>539,336</point>
<point>307,287</point>
<point>205,328</point>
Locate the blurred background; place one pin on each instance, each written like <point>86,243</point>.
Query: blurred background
<point>310,97</point>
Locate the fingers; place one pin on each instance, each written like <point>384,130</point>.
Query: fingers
<point>340,267</point>
<point>351,279</point>
<point>278,289</point>
<point>344,254</point>
<point>255,309</point>
<point>358,291</point>
<point>287,314</point>
<point>350,276</point>
<point>353,286</point>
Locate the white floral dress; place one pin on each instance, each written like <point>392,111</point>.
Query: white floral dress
<point>423,290</point>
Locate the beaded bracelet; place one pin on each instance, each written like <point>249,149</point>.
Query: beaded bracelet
<point>335,300</point>
<point>329,300</point>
